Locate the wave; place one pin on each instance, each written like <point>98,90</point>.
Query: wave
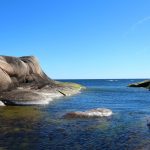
<point>112,80</point>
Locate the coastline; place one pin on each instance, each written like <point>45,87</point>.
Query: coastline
<point>23,82</point>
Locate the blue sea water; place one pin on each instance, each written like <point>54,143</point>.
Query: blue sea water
<point>43,127</point>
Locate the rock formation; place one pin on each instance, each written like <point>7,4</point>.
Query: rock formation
<point>144,84</point>
<point>99,112</point>
<point>22,81</point>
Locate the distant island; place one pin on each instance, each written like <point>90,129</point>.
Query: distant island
<point>23,82</point>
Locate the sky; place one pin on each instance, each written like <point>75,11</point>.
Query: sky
<point>79,39</point>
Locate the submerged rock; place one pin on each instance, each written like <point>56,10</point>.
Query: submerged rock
<point>99,112</point>
<point>22,81</point>
<point>144,84</point>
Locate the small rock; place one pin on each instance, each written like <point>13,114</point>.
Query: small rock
<point>99,112</point>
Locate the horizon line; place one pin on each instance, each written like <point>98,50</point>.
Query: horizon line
<point>104,79</point>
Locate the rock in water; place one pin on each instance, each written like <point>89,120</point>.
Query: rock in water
<point>23,81</point>
<point>144,84</point>
<point>99,112</point>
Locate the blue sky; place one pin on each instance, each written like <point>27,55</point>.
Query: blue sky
<point>79,38</point>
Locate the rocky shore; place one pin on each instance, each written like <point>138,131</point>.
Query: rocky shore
<point>23,82</point>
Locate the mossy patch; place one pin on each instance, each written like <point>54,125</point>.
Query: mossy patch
<point>71,85</point>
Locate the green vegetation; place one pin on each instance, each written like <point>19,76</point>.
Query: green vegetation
<point>71,85</point>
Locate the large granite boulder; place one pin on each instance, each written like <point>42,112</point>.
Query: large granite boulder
<point>22,81</point>
<point>17,71</point>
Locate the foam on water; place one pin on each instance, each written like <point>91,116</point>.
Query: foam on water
<point>45,100</point>
<point>113,80</point>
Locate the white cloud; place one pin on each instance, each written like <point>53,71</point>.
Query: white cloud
<point>139,22</point>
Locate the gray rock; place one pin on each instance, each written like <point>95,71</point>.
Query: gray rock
<point>99,112</point>
<point>144,84</point>
<point>22,81</point>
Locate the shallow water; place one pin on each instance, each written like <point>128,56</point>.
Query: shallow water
<point>43,127</point>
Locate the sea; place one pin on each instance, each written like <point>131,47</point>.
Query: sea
<point>44,127</point>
